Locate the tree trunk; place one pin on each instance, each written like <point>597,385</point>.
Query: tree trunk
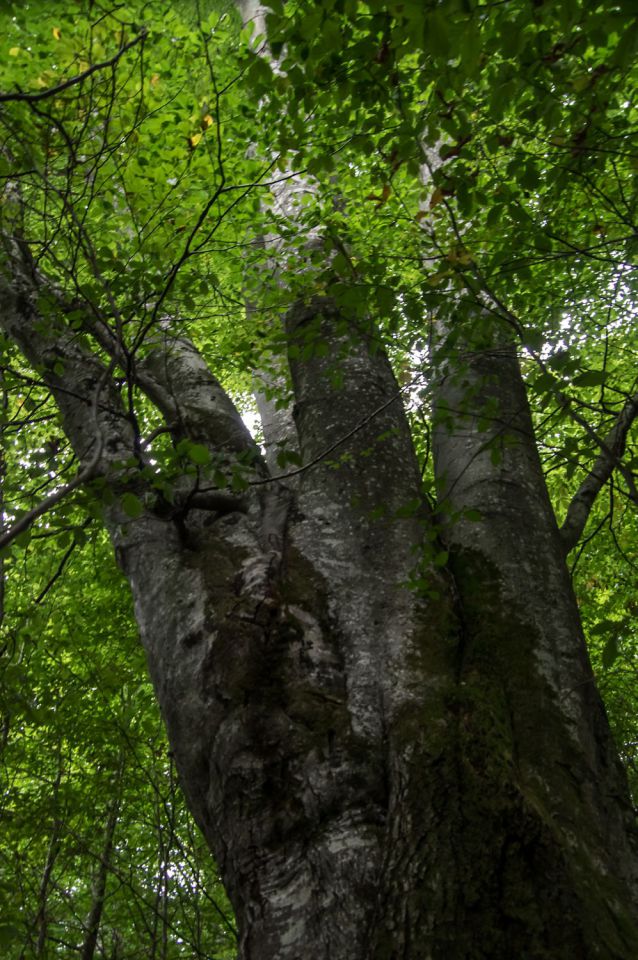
<point>546,836</point>
<point>381,771</point>
<point>53,849</point>
<point>100,879</point>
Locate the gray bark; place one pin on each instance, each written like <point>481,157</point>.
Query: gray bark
<point>527,688</point>
<point>381,772</point>
<point>612,448</point>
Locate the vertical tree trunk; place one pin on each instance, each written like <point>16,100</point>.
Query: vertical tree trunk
<point>545,840</point>
<point>5,723</point>
<point>98,887</point>
<point>53,850</point>
<point>383,774</point>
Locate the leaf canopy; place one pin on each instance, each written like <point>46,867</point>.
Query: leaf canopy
<point>449,154</point>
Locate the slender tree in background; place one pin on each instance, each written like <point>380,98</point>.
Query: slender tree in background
<point>370,663</point>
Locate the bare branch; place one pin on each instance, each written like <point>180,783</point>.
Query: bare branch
<point>49,502</point>
<point>611,450</point>
<point>20,95</point>
<point>333,446</point>
<point>86,473</point>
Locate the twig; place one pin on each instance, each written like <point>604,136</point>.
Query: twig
<point>86,473</point>
<point>61,565</point>
<point>53,91</point>
<point>324,453</point>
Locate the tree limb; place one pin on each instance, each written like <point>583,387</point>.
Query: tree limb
<point>20,95</point>
<point>611,450</point>
<point>48,503</point>
<point>81,477</point>
<point>333,446</point>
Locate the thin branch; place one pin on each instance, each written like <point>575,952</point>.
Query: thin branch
<point>61,566</point>
<point>588,539</point>
<point>52,500</point>
<point>53,91</point>
<point>333,446</point>
<point>611,450</point>
<point>82,476</point>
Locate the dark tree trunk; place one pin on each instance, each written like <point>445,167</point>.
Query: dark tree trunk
<point>545,838</point>
<point>382,772</point>
<point>100,879</point>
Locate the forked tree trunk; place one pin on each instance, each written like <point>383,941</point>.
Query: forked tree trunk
<point>382,772</point>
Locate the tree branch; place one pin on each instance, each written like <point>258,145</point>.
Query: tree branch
<point>86,473</point>
<point>611,450</point>
<point>333,446</point>
<point>177,380</point>
<point>53,91</point>
<point>48,503</point>
<point>82,377</point>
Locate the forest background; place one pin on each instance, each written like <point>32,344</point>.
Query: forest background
<point>149,187</point>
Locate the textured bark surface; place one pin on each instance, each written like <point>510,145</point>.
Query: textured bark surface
<point>538,759</point>
<point>380,773</point>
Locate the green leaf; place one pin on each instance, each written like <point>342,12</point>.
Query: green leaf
<point>9,933</point>
<point>590,378</point>
<point>238,482</point>
<point>610,652</point>
<point>199,454</point>
<point>408,509</point>
<point>436,38</point>
<point>604,626</point>
<point>132,505</point>
<point>24,539</point>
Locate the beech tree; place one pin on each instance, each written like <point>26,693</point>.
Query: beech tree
<point>408,230</point>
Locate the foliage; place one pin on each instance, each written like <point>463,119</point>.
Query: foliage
<point>81,739</point>
<point>450,154</point>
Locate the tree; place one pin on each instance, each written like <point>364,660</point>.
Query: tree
<point>371,668</point>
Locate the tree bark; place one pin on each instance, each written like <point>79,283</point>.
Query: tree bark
<point>381,772</point>
<point>549,798</point>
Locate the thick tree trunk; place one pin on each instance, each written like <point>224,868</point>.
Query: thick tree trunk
<point>546,838</point>
<point>381,772</point>
<point>284,648</point>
